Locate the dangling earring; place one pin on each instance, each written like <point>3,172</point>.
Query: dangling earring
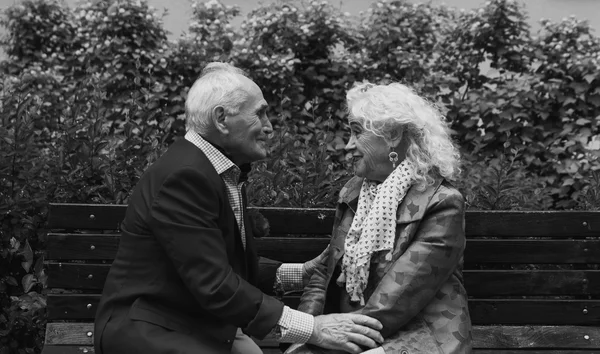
<point>393,158</point>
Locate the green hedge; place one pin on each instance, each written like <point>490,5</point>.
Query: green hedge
<point>92,95</point>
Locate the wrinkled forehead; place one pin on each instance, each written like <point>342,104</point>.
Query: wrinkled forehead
<point>255,96</point>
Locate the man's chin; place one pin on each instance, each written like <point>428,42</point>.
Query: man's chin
<point>261,155</point>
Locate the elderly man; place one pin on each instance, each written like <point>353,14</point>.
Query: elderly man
<point>186,273</point>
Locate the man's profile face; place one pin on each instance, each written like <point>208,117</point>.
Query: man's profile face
<point>249,130</point>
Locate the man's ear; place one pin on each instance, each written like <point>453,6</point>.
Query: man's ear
<point>218,118</point>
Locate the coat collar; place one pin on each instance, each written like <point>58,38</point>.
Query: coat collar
<point>412,207</point>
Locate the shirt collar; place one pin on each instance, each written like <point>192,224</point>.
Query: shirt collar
<point>215,155</point>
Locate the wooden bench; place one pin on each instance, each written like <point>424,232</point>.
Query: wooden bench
<point>531,277</point>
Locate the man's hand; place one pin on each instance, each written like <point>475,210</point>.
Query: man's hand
<point>346,332</point>
<point>309,267</point>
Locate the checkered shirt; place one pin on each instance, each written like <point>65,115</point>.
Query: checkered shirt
<point>293,326</point>
<point>230,174</point>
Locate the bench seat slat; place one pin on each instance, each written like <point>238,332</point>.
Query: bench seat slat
<point>319,221</point>
<point>104,247</point>
<point>477,282</point>
<point>484,337</point>
<point>483,311</point>
<point>535,351</point>
<point>63,349</point>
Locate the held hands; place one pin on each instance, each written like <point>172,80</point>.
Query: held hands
<point>348,332</point>
<point>309,267</point>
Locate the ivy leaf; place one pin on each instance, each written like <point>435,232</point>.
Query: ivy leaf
<point>39,266</point>
<point>112,9</point>
<point>11,281</point>
<point>589,78</point>
<point>28,282</point>
<point>595,100</point>
<point>582,121</point>
<point>28,255</point>
<point>569,100</point>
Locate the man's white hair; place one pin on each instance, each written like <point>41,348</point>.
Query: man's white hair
<point>219,84</point>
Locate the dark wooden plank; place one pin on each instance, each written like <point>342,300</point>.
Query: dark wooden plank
<point>81,246</point>
<point>70,334</point>
<point>535,351</point>
<point>77,276</point>
<point>537,337</point>
<point>54,349</point>
<point>535,312</point>
<point>532,251</point>
<point>61,349</point>
<point>85,216</point>
<point>485,283</point>
<point>314,221</point>
<point>531,337</point>
<point>104,247</point>
<point>72,306</point>
<point>479,283</point>
<point>533,223</point>
<point>109,217</point>
<point>319,221</point>
<point>483,312</point>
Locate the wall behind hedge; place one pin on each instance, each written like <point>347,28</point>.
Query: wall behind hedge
<point>92,95</point>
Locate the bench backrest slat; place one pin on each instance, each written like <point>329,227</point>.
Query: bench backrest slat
<point>482,311</point>
<point>319,221</point>
<point>479,283</point>
<point>104,247</point>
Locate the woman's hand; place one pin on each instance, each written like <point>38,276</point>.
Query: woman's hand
<point>309,267</point>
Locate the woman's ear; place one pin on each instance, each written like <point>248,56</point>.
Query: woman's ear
<point>218,117</point>
<point>395,137</point>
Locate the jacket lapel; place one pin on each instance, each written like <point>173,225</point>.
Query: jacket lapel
<point>411,209</point>
<point>415,203</point>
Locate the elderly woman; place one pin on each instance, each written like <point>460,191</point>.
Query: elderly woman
<point>396,252</point>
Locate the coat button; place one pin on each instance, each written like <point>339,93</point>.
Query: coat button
<point>404,352</point>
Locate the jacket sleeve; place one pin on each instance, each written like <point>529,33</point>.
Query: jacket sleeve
<point>419,273</point>
<point>184,218</point>
<point>267,273</point>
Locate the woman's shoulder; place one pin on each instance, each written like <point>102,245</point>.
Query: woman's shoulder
<point>447,192</point>
<point>351,189</point>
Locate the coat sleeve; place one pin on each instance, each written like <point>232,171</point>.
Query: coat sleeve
<point>184,219</point>
<point>267,273</point>
<point>419,273</point>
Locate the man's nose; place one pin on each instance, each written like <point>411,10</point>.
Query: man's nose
<point>267,127</point>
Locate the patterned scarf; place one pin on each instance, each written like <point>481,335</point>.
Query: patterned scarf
<point>373,228</point>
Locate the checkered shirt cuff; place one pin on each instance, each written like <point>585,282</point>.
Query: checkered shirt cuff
<point>289,278</point>
<point>294,326</point>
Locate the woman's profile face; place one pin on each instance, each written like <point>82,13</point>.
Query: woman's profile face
<point>370,153</point>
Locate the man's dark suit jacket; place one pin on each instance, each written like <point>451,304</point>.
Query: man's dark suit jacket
<point>181,281</point>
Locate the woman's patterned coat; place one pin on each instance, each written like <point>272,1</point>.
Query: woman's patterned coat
<point>419,295</point>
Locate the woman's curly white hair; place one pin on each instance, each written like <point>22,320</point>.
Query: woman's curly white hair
<point>382,109</point>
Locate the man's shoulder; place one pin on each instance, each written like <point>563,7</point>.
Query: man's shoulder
<point>182,157</point>
<point>180,154</point>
